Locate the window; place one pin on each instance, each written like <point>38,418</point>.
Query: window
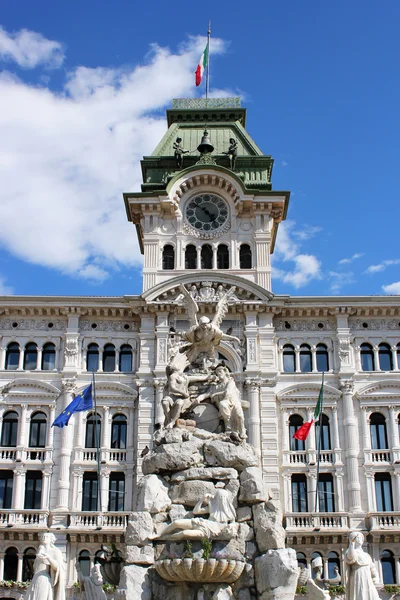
<point>93,431</point>
<point>388,567</point>
<point>168,258</point>
<point>206,257</point>
<point>299,493</point>
<point>245,256</point>
<point>10,564</point>
<point>27,564</point>
<point>49,357</point>
<point>385,358</point>
<point>295,422</point>
<point>33,490</point>
<point>116,495</point>
<point>109,358</point>
<point>322,358</point>
<point>6,488</point>
<point>30,357</point>
<point>37,434</point>
<point>190,257</point>
<point>289,359</point>
<point>223,256</point>
<point>118,432</point>
<point>378,432</point>
<point>125,359</point>
<point>383,492</point>
<point>325,439</point>
<point>333,565</point>
<point>305,358</point>
<point>367,357</point>
<point>84,562</point>
<point>326,497</point>
<point>398,355</point>
<point>92,357</point>
<point>12,356</point>
<point>301,559</point>
<point>9,430</point>
<point>89,492</point>
<point>313,556</point>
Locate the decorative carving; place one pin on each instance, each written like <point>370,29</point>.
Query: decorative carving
<point>85,325</point>
<point>344,352</point>
<point>36,324</point>
<point>253,384</point>
<point>207,292</point>
<point>252,350</point>
<point>306,325</point>
<point>207,235</point>
<point>162,350</point>
<point>373,324</point>
<point>68,385</point>
<point>201,103</point>
<point>347,386</point>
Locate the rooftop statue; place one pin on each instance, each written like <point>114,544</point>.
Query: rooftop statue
<point>362,576</point>
<point>232,152</point>
<point>179,151</point>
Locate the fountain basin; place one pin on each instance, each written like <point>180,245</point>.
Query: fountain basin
<point>201,570</point>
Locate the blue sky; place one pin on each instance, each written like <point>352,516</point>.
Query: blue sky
<point>83,92</point>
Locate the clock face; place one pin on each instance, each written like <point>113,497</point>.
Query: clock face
<point>207,214</point>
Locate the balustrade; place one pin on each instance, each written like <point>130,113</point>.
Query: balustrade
<point>326,521</point>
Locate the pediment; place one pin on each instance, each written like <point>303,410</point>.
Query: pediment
<point>306,391</point>
<point>30,388</point>
<point>112,390</point>
<point>382,390</point>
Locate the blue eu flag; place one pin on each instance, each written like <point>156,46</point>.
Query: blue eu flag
<point>82,401</point>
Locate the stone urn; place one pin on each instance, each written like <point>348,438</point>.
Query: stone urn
<point>200,570</point>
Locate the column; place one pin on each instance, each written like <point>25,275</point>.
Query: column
<point>351,452</point>
<point>45,504</point>
<point>105,484</point>
<point>105,442</point>
<point>18,489</point>
<point>100,369</point>
<point>253,393</point>
<point>394,433</point>
<point>397,563</point>
<point>130,435</point>
<point>397,493</point>
<point>287,486</point>
<point>3,365</point>
<point>214,257</point>
<point>366,434</point>
<point>285,430</point>
<point>2,566</point>
<point>77,489</point>
<point>117,360</point>
<point>311,490</point>
<point>39,358</point>
<point>394,361</point>
<point>129,488</point>
<point>297,358</point>
<point>68,387</point>
<point>22,438</point>
<point>19,567</point>
<point>198,248</point>
<point>339,490</point>
<point>159,412</point>
<point>335,436</point>
<point>376,358</point>
<point>21,359</point>
<point>314,359</point>
<point>371,498</point>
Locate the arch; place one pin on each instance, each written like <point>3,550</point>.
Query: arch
<point>9,429</point>
<point>27,564</point>
<point>223,256</point>
<point>306,391</point>
<point>30,356</point>
<point>379,439</point>
<point>385,357</point>
<point>367,357</point>
<point>11,564</point>
<point>12,356</point>
<point>388,567</point>
<point>190,257</point>
<point>295,422</point>
<point>305,358</point>
<point>231,355</point>
<point>48,357</point>
<point>322,358</point>
<point>109,358</point>
<point>92,357</point>
<point>118,431</point>
<point>168,257</point>
<point>125,358</point>
<point>245,256</point>
<point>93,437</point>
<point>333,565</point>
<point>84,562</point>
<point>38,430</point>
<point>301,559</point>
<point>206,256</point>
<point>289,358</point>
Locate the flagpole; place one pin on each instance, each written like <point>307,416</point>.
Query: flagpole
<point>319,444</point>
<point>208,61</point>
<point>97,446</point>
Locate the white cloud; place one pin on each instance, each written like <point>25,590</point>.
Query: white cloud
<point>392,288</point>
<point>339,279</point>
<point>383,265</point>
<point>66,158</point>
<point>5,290</point>
<point>306,266</point>
<point>306,232</point>
<point>355,256</point>
<point>29,49</point>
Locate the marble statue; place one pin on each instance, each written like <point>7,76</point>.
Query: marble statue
<point>362,576</point>
<point>92,586</point>
<point>48,581</point>
<point>179,151</point>
<point>204,334</point>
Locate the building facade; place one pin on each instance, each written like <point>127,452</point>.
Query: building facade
<point>206,219</point>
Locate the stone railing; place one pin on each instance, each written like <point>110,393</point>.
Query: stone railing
<point>25,518</point>
<point>304,457</point>
<point>8,453</point>
<point>382,520</point>
<point>325,521</point>
<point>94,520</point>
<point>90,455</point>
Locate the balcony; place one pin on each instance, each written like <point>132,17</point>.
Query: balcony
<point>381,456</point>
<point>24,518</point>
<point>298,522</point>
<point>89,456</point>
<point>93,520</point>
<point>389,520</point>
<point>309,457</point>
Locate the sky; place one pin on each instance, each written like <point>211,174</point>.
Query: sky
<point>83,91</point>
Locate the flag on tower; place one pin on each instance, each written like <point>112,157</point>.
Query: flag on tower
<point>201,67</point>
<point>82,401</point>
<point>303,431</point>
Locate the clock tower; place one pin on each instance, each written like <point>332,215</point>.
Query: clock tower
<point>207,206</point>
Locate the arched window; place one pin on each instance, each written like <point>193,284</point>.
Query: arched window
<point>378,431</point>
<point>84,562</point>
<point>295,422</point>
<point>49,357</point>
<point>190,257</point>
<point>10,564</point>
<point>223,256</point>
<point>305,358</point>
<point>33,490</point>
<point>116,495</point>
<point>325,438</point>
<point>9,429</point>
<point>93,423</point>
<point>109,358</point>
<point>326,497</point>
<point>322,358</point>
<point>206,256</point>
<point>118,432</point>
<point>301,559</point>
<point>385,358</point>
<point>299,493</point>
<point>367,357</point>
<point>125,358</point>
<point>92,357</point>
<point>37,433</point>
<point>289,359</point>
<point>245,257</point>
<point>333,565</point>
<point>12,356</point>
<point>168,258</point>
<point>383,492</point>
<point>30,356</point>
<point>89,491</point>
<point>27,564</point>
<point>388,567</point>
<point>6,488</point>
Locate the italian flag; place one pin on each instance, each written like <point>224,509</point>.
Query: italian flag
<point>201,67</point>
<point>303,431</point>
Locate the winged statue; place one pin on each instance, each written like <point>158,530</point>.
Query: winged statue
<point>204,334</point>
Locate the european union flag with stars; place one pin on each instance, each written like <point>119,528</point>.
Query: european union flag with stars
<point>82,401</point>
